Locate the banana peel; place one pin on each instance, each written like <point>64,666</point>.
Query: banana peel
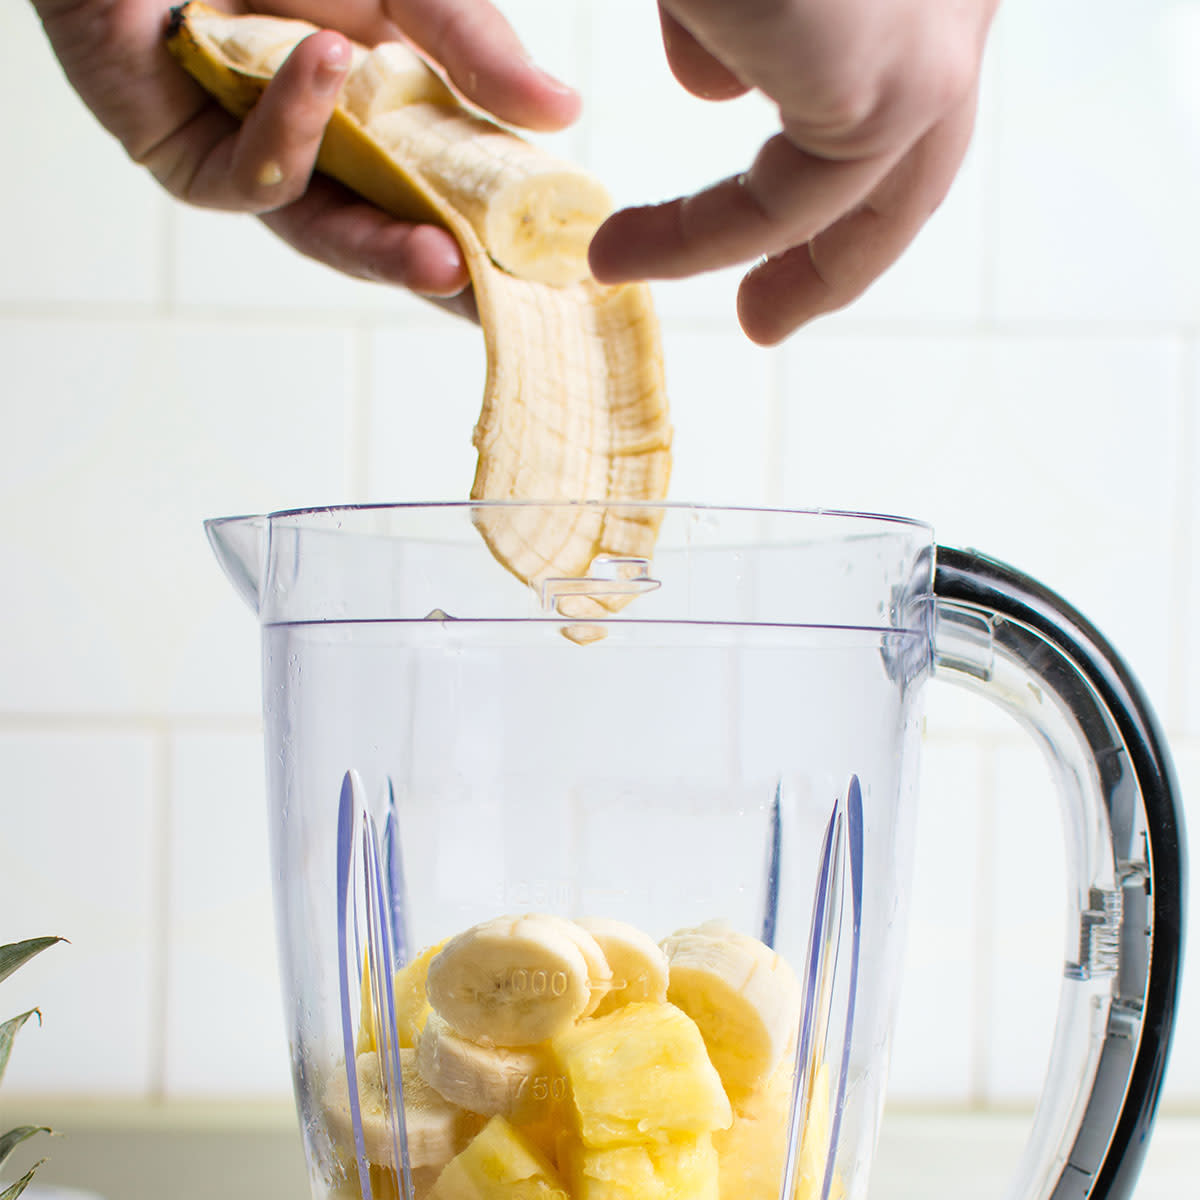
<point>574,405</point>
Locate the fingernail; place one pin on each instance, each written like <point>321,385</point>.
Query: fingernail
<point>332,68</point>
<point>556,84</point>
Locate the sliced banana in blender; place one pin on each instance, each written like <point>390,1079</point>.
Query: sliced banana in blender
<point>514,981</point>
<point>574,405</point>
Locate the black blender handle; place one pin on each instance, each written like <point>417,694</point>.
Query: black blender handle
<point>1020,622</point>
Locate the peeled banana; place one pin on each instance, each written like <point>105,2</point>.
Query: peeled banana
<point>574,405</point>
<point>491,1080</point>
<point>638,966</point>
<point>582,1059</point>
<point>436,1130</point>
<point>514,981</point>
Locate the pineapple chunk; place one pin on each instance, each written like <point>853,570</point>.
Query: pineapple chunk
<point>408,988</point>
<point>641,1074</point>
<point>411,1005</point>
<point>498,1164</point>
<point>674,1170</point>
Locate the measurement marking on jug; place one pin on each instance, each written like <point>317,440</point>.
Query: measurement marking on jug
<point>538,982</point>
<point>541,1087</point>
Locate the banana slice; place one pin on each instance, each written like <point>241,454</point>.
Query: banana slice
<point>515,1082</point>
<point>436,1129</point>
<point>637,963</point>
<point>574,405</point>
<point>533,212</point>
<point>743,996</point>
<point>600,973</point>
<point>512,981</point>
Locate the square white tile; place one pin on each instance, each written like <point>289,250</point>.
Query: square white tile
<point>721,390</point>
<point>1056,455</point>
<point>1097,165</point>
<point>225,1033</point>
<point>144,431</point>
<point>425,394</point>
<point>85,223</point>
<point>80,859</point>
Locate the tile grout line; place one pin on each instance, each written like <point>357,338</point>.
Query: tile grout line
<point>134,722</point>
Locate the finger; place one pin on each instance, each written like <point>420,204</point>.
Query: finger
<point>693,66</point>
<point>470,39</point>
<point>267,161</point>
<point>486,61</point>
<point>841,262</point>
<point>787,197</point>
<point>331,226</point>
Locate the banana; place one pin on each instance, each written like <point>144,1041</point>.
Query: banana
<point>436,1129</point>
<point>514,981</point>
<point>516,1082</point>
<point>387,76</point>
<point>534,213</point>
<point>743,996</point>
<point>574,406</point>
<point>600,973</point>
<point>637,963</point>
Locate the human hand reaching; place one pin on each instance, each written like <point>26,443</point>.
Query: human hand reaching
<point>115,56</point>
<point>876,106</point>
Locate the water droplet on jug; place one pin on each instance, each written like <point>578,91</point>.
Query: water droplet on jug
<point>438,614</point>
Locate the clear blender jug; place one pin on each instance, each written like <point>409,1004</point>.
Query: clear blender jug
<point>615,909</point>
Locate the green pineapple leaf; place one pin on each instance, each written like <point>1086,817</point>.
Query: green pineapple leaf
<point>16,954</point>
<point>14,1137</point>
<point>8,1032</point>
<point>11,1193</point>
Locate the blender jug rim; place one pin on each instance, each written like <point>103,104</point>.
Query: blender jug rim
<point>324,510</point>
<point>712,566</point>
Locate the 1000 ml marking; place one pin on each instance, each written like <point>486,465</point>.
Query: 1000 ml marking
<point>538,982</point>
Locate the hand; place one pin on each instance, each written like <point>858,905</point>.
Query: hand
<point>114,54</point>
<point>876,105</point>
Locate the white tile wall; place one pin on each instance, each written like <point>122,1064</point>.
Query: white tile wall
<point>1027,378</point>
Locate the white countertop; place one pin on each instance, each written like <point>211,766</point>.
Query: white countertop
<point>971,1156</point>
<point>191,1151</point>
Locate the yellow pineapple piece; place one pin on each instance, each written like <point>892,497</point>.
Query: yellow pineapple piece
<point>641,1074</point>
<point>684,1169</point>
<point>498,1164</point>
<point>409,999</point>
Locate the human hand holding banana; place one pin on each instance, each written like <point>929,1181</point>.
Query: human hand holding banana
<point>876,109</point>
<point>876,105</point>
<point>114,54</point>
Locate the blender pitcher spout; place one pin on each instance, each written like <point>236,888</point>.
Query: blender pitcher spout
<point>240,544</point>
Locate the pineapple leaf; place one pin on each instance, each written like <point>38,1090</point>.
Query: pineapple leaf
<point>14,1137</point>
<point>15,954</point>
<point>8,1031</point>
<point>11,1193</point>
